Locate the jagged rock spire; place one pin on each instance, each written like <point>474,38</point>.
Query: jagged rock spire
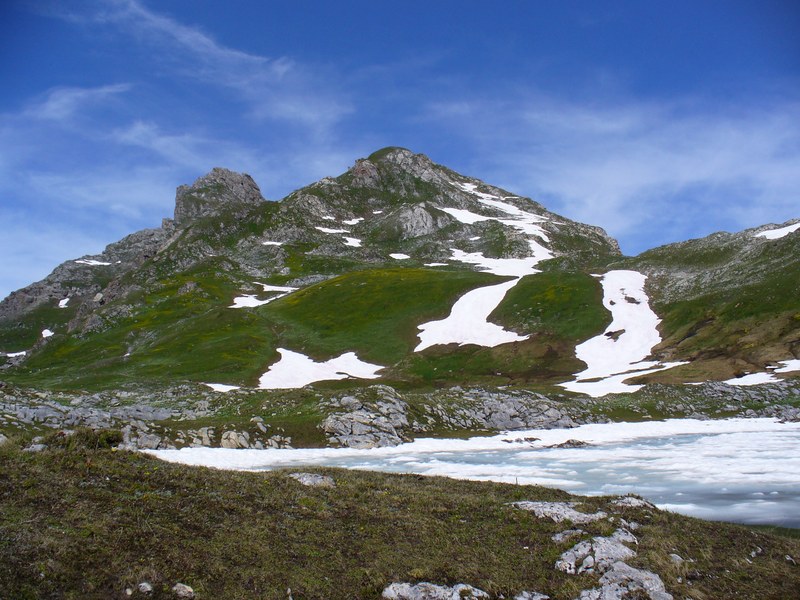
<point>210,192</point>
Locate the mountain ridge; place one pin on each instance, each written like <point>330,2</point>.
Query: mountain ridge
<point>392,210</point>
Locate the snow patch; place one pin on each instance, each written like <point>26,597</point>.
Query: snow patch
<point>221,387</point>
<point>377,212</point>
<point>328,218</point>
<point>295,370</point>
<point>619,352</point>
<point>774,234</point>
<point>789,366</point>
<point>353,242</point>
<point>751,379</point>
<point>271,243</point>
<point>399,256</point>
<point>249,301</point>
<point>466,216</point>
<point>92,263</point>
<point>355,221</point>
<point>46,333</point>
<point>276,288</point>
<point>16,354</point>
<point>329,230</point>
<point>435,264</point>
<point>507,267</point>
<point>522,220</point>
<point>63,303</point>
<point>468,321</point>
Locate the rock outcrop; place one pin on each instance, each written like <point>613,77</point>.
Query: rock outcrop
<point>218,189</point>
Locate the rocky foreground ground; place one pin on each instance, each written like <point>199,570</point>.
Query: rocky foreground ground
<point>367,417</point>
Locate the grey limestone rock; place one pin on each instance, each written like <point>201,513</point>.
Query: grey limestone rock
<point>365,173</point>
<point>235,439</point>
<point>148,441</point>
<point>623,581</point>
<point>430,591</point>
<point>145,588</point>
<point>313,479</point>
<point>631,502</point>
<point>559,511</point>
<point>378,417</point>
<point>598,554</point>
<point>181,590</point>
<point>416,221</point>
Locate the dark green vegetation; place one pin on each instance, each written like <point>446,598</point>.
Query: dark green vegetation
<point>374,313</point>
<point>84,521</point>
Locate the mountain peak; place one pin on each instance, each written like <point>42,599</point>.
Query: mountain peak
<point>220,187</point>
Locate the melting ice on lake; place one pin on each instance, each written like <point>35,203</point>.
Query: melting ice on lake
<point>745,470</point>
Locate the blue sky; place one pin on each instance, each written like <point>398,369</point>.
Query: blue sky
<point>658,121</point>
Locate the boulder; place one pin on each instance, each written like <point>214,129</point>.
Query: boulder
<point>430,591</point>
<point>181,590</point>
<point>314,479</point>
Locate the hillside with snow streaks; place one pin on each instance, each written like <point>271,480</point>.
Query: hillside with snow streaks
<point>347,265</point>
<point>468,320</point>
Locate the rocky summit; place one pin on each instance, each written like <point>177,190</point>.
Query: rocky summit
<point>403,282</point>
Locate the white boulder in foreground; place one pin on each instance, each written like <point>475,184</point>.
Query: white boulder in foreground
<point>558,511</point>
<point>430,591</point>
<point>313,479</point>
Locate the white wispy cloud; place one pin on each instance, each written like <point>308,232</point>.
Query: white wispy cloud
<point>271,87</point>
<point>63,103</point>
<point>637,167</point>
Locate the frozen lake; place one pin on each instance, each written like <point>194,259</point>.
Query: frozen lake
<point>744,470</point>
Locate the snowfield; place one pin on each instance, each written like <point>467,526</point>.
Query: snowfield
<point>789,366</point>
<point>250,300</point>
<point>295,370</point>
<point>467,322</point>
<point>620,351</point>
<point>775,234</point>
<point>222,387</point>
<point>92,263</point>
